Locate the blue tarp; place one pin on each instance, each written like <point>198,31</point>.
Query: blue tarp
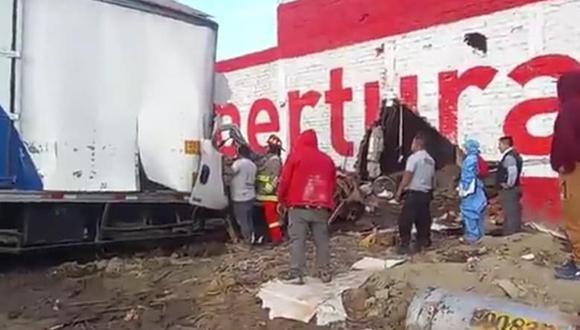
<point>17,170</point>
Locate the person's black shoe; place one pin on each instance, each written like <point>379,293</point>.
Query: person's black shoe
<point>566,267</point>
<point>423,246</point>
<point>294,277</point>
<point>403,250</point>
<point>418,248</point>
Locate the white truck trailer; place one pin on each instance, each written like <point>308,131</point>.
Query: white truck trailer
<point>106,121</point>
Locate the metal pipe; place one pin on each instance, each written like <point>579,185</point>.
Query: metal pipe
<point>438,309</point>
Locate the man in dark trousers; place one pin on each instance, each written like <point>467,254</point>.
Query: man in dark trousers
<point>306,188</point>
<point>509,171</point>
<point>417,186</point>
<point>243,192</point>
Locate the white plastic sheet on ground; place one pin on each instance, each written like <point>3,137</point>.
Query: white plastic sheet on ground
<point>557,233</point>
<point>375,264</point>
<point>438,227</point>
<point>303,302</point>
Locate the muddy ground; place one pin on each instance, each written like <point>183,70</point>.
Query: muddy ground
<point>214,285</point>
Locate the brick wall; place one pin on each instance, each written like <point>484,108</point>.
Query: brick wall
<point>330,75</point>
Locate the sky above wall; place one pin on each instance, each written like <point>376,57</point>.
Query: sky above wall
<point>244,25</point>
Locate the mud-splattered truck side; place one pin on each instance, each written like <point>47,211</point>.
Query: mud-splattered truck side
<point>106,121</point>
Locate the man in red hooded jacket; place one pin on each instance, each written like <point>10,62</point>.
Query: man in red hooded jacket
<point>306,188</point>
<point>565,159</point>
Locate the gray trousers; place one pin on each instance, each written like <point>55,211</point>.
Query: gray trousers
<point>243,212</point>
<point>300,222</point>
<point>512,209</point>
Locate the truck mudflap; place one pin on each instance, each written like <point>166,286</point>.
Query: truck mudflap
<point>209,190</point>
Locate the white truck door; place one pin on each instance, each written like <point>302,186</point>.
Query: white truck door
<point>177,100</point>
<point>8,25</point>
<point>208,190</point>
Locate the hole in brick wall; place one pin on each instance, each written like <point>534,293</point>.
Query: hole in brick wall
<point>476,41</point>
<point>380,50</point>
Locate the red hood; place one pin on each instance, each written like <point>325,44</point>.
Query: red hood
<point>569,87</point>
<point>307,139</point>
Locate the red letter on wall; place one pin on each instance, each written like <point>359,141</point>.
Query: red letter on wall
<point>450,88</point>
<point>296,103</point>
<point>517,119</point>
<point>335,97</point>
<point>228,110</point>
<point>408,92</point>
<point>372,100</point>
<point>272,125</point>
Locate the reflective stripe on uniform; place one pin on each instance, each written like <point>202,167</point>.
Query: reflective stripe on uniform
<point>266,186</point>
<point>267,198</point>
<point>274,225</point>
<point>263,178</point>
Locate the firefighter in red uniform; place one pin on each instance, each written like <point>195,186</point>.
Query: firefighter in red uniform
<point>266,183</point>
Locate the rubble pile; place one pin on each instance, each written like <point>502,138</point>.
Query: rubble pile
<point>381,159</point>
<point>215,286</point>
<point>380,304</point>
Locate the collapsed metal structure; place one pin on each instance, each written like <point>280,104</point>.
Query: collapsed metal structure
<point>381,158</point>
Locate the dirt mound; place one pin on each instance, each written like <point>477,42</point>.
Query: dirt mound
<point>214,287</point>
<point>380,304</point>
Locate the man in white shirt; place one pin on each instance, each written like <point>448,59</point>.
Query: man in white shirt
<point>243,192</point>
<point>417,186</point>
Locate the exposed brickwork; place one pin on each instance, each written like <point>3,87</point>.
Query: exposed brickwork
<point>460,90</point>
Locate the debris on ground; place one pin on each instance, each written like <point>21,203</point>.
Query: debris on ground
<point>380,162</point>
<point>511,290</point>
<point>303,302</point>
<point>557,233</point>
<point>179,291</point>
<point>385,303</point>
<point>528,257</point>
<point>383,238</point>
<point>376,264</point>
<point>465,310</point>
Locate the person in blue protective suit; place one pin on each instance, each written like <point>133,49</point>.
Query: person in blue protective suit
<point>472,194</point>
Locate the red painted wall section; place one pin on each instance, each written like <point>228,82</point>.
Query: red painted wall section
<point>541,199</point>
<point>451,85</point>
<point>296,103</point>
<point>409,92</point>
<point>257,58</point>
<point>308,26</point>
<point>552,65</point>
<point>272,125</point>
<point>335,97</point>
<point>311,26</point>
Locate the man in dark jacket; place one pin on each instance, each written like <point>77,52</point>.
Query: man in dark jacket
<point>306,188</point>
<point>509,171</point>
<point>565,159</point>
